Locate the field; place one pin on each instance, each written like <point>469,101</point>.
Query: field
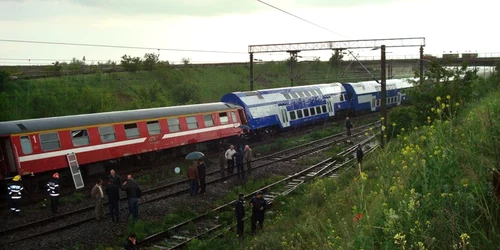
<point>162,86</point>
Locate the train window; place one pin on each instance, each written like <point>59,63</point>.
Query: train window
<point>295,95</point>
<point>308,94</point>
<point>301,94</point>
<point>287,96</point>
<point>209,120</point>
<point>342,98</point>
<point>318,110</point>
<point>26,145</point>
<point>50,141</point>
<point>299,113</point>
<point>378,102</point>
<point>192,122</point>
<point>319,92</point>
<point>260,96</point>
<point>223,118</point>
<point>233,115</point>
<point>107,133</point>
<point>153,127</point>
<point>323,108</point>
<point>173,124</point>
<point>306,112</point>
<point>80,137</point>
<point>131,130</point>
<point>312,111</point>
<point>292,115</point>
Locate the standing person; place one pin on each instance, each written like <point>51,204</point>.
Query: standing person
<point>359,155</point>
<point>113,193</point>
<point>53,189</point>
<point>15,189</point>
<point>202,172</point>
<point>238,160</point>
<point>248,158</point>
<point>131,242</point>
<point>240,214</point>
<point>222,163</point>
<point>258,205</point>
<point>348,126</point>
<point>98,196</point>
<point>193,176</point>
<point>229,159</point>
<point>133,194</point>
<point>115,177</point>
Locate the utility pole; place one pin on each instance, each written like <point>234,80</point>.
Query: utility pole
<point>293,60</point>
<point>251,71</point>
<point>421,65</point>
<point>383,96</point>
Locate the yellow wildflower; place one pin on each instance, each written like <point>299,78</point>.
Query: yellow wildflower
<point>448,97</point>
<point>438,99</point>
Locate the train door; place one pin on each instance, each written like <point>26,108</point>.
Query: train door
<point>374,103</point>
<point>283,115</point>
<point>243,117</point>
<point>7,160</point>
<point>330,106</point>
<point>75,170</point>
<point>399,98</point>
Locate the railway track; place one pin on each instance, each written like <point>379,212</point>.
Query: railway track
<point>210,224</point>
<point>71,219</point>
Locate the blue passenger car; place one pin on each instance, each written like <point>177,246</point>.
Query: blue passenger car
<point>281,108</point>
<point>366,96</point>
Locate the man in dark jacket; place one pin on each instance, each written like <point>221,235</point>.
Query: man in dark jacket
<point>258,205</point>
<point>115,177</point>
<point>53,189</point>
<point>113,193</point>
<point>202,173</point>
<point>240,214</point>
<point>348,126</point>
<point>359,154</point>
<point>193,177</point>
<point>238,160</point>
<point>131,242</point>
<point>133,194</point>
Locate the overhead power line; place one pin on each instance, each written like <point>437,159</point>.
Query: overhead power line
<point>120,46</point>
<point>301,18</point>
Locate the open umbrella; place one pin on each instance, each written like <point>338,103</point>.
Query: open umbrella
<point>244,127</point>
<point>194,155</point>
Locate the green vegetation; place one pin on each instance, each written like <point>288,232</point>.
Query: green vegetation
<point>160,84</point>
<point>429,188</point>
<point>74,198</point>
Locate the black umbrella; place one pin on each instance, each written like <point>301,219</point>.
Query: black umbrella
<point>196,155</point>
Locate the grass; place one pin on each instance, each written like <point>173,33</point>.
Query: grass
<point>101,92</point>
<point>74,198</point>
<point>429,188</point>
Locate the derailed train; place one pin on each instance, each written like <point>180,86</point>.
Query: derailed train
<point>37,147</point>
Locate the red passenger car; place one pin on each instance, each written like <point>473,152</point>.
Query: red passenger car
<point>31,147</point>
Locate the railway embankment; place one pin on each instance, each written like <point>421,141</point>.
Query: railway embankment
<point>430,187</point>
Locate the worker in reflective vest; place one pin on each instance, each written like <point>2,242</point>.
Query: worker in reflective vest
<point>53,190</point>
<point>15,188</point>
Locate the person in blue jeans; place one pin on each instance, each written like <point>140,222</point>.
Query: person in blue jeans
<point>133,194</point>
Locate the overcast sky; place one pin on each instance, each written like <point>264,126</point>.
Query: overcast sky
<point>232,25</point>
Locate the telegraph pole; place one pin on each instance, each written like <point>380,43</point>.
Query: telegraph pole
<point>383,96</point>
<point>421,64</point>
<point>293,58</point>
<point>251,71</point>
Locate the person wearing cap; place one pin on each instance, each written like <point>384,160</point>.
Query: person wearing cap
<point>15,188</point>
<point>53,189</point>
<point>258,204</point>
<point>240,214</point>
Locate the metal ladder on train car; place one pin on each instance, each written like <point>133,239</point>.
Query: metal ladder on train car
<point>75,170</point>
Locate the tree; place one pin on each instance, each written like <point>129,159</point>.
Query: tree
<point>150,61</point>
<point>186,61</point>
<point>131,63</point>
<point>336,58</point>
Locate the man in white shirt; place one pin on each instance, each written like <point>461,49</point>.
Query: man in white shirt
<point>98,196</point>
<point>229,159</point>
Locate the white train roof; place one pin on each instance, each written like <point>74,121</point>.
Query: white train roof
<point>267,96</point>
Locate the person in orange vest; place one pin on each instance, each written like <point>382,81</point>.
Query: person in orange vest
<point>53,189</point>
<point>15,188</point>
